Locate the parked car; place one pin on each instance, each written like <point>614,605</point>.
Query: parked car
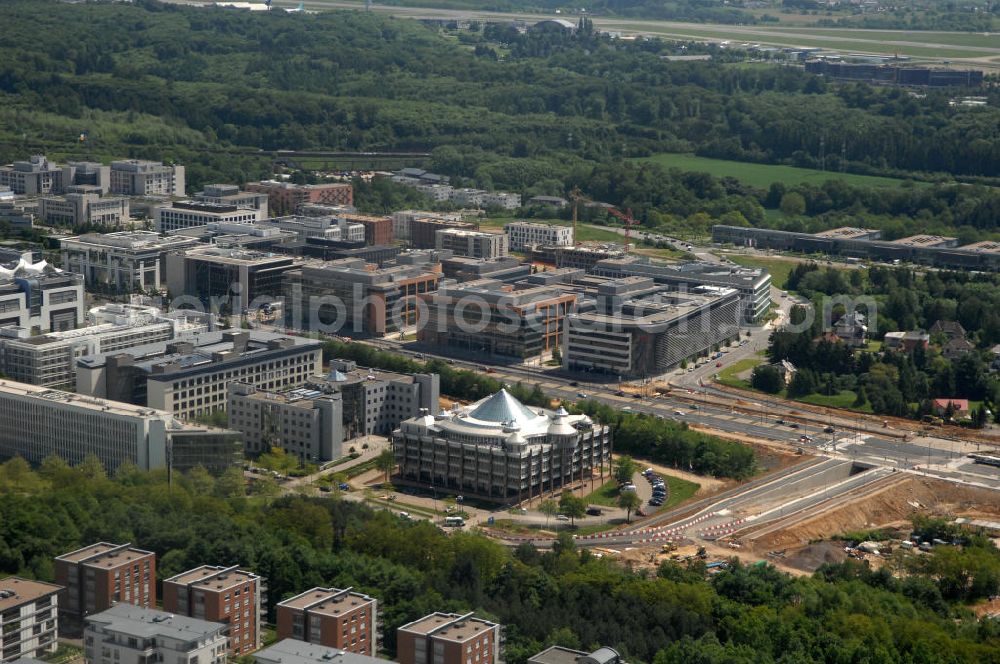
<point>344,486</point>
<point>829,430</point>
<point>581,395</point>
<point>562,517</point>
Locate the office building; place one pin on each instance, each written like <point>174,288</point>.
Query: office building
<point>381,255</point>
<point>84,206</point>
<point>304,422</point>
<point>191,377</point>
<point>550,201</point>
<point>351,296</point>
<point>927,241</point>
<point>851,233</point>
<point>448,638</point>
<point>491,318</point>
<point>978,256</point>
<point>336,229</point>
<point>638,328</point>
<point>29,618</point>
<point>579,257</point>
<point>225,595</point>
<point>560,655</point>
<point>101,575</point>
<point>474,244</point>
<point>286,198</point>
<point>89,173</point>
<point>331,617</point>
<point>230,194</point>
<point>752,284</point>
<point>524,234</point>
<point>35,421</point>
<point>402,219</point>
<point>126,634</point>
<point>188,214</point>
<point>294,651</point>
<point>225,279</point>
<point>378,230</point>
<point>423,230</point>
<point>39,297</point>
<point>50,359</point>
<point>462,268</point>
<point>135,177</point>
<point>34,177</point>
<point>500,450</point>
<point>125,261</point>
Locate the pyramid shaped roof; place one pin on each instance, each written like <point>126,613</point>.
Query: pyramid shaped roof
<point>502,407</point>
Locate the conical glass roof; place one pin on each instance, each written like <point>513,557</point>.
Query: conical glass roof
<point>336,376</point>
<point>501,408</point>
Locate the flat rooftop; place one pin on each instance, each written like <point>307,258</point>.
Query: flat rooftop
<point>15,591</point>
<point>212,577</point>
<point>146,623</point>
<point>449,626</point>
<point>327,601</point>
<point>104,554</point>
<point>558,655</point>
<point>924,241</point>
<point>293,651</point>
<point>985,247</point>
<point>9,387</point>
<point>848,233</point>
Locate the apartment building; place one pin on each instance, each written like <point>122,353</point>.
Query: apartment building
<point>294,651</point>
<point>83,205</point>
<point>423,230</point>
<point>560,655</point>
<point>302,421</point>
<point>524,234</point>
<point>225,595</point>
<point>378,230</point>
<point>191,377</point>
<point>474,244</point>
<point>230,194</point>
<point>331,617</point>
<point>639,328</point>
<point>577,257</point>
<point>125,634</point>
<point>34,422</point>
<point>752,284</point>
<point>188,214</point>
<point>352,296</point>
<point>500,450</point>
<point>50,359</point>
<point>101,575</point>
<point>122,261</point>
<point>492,318</point>
<point>286,198</point>
<point>29,619</point>
<point>39,297</point>
<point>136,177</point>
<point>227,279</point>
<point>448,638</point>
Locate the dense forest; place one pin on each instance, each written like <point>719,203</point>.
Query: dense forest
<point>744,615</point>
<point>535,112</point>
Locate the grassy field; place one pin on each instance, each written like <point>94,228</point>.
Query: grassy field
<point>678,490</point>
<point>728,374</point>
<point>762,175</point>
<point>779,269</point>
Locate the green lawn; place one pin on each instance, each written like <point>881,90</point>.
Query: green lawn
<point>844,399</point>
<point>679,490</point>
<point>728,374</point>
<point>606,495</point>
<point>762,175</point>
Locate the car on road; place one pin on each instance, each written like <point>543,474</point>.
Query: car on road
<point>805,439</point>
<point>562,517</point>
<point>679,413</point>
<point>344,486</point>
<point>619,393</point>
<point>574,383</point>
<point>636,395</point>
<point>794,425</point>
<point>581,395</point>
<point>718,364</point>
<point>829,430</point>
<point>780,421</point>
<point>404,515</point>
<point>626,409</point>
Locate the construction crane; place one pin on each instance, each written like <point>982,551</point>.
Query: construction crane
<point>628,220</point>
<point>575,196</point>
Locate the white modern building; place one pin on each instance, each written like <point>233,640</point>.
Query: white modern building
<point>474,244</point>
<point>38,297</point>
<point>187,214</point>
<point>524,234</point>
<point>294,651</point>
<point>50,359</point>
<point>37,422</point>
<point>498,449</point>
<point>122,261</point>
<point>29,618</point>
<point>126,634</point>
<point>230,194</point>
<point>136,177</point>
